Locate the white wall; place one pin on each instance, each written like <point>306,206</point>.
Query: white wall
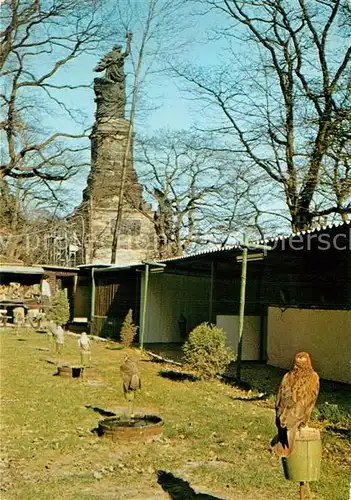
<point>168,297</point>
<point>326,335</point>
<point>251,335</point>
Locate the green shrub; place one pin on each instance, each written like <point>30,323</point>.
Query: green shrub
<point>206,351</point>
<point>128,330</point>
<point>59,310</point>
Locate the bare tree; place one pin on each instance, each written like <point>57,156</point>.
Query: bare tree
<point>286,108</point>
<point>41,149</point>
<point>335,184</point>
<point>32,218</point>
<point>37,43</point>
<point>186,184</point>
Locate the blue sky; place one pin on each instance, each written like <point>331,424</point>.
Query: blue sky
<point>173,107</point>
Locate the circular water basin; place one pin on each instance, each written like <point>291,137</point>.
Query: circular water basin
<point>139,426</point>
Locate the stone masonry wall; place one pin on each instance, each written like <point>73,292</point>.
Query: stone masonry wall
<point>100,199</point>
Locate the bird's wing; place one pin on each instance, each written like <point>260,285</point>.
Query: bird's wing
<point>285,395</point>
<point>296,397</point>
<point>125,376</point>
<point>134,382</point>
<point>284,401</point>
<point>130,375</point>
<point>307,393</point>
<point>315,384</point>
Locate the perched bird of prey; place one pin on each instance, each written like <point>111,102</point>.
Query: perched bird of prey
<point>58,335</point>
<point>131,381</point>
<point>85,353</point>
<point>295,400</point>
<point>84,342</point>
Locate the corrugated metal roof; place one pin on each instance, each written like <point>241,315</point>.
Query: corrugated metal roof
<point>219,248</point>
<point>21,269</point>
<point>209,251</point>
<point>265,241</point>
<point>114,267</point>
<point>316,229</point>
<point>81,266</point>
<point>60,268</point>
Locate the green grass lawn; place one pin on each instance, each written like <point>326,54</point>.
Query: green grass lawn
<point>216,436</point>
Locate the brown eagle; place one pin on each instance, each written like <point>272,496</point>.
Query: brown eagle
<point>295,400</point>
<point>131,381</point>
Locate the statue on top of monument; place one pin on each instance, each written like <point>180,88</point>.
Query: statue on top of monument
<point>110,90</point>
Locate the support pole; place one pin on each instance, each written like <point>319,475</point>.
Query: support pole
<point>92,306</point>
<point>210,308</point>
<point>143,313</point>
<point>74,297</point>
<point>242,308</point>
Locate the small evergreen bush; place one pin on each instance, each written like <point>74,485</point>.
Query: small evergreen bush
<point>206,351</point>
<point>128,330</point>
<point>59,310</point>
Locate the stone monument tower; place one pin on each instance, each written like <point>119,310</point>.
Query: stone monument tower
<point>109,143</point>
